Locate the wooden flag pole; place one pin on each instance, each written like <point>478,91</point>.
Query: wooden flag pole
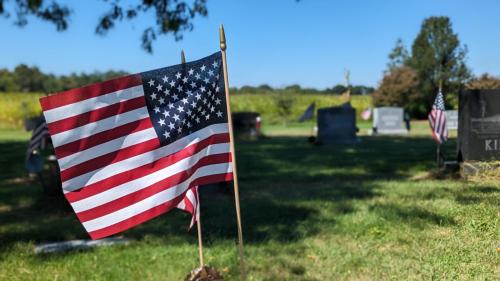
<point>223,47</point>
<point>198,218</point>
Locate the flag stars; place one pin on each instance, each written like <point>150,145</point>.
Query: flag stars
<point>206,81</point>
<point>178,75</point>
<point>211,72</point>
<point>179,130</point>
<point>170,105</point>
<point>217,101</point>
<point>198,96</point>
<point>153,96</point>
<point>161,122</point>
<point>179,88</point>
<point>159,87</point>
<point>175,97</point>
<point>197,76</point>
<point>215,64</point>
<point>171,126</point>
<point>203,67</point>
<point>197,119</point>
<point>162,101</point>
<point>193,85</point>
<point>180,109</point>
<point>166,134</point>
<point>156,109</point>
<point>166,113</point>
<point>217,89</point>
<point>185,80</point>
<point>202,89</point>
<point>219,113</point>
<point>151,83</point>
<point>190,72</point>
<point>184,101</point>
<point>166,92</point>
<point>176,117</point>
<point>172,83</point>
<point>193,104</point>
<point>165,79</point>
<point>207,116</point>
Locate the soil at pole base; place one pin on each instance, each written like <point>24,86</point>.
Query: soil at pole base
<point>205,273</point>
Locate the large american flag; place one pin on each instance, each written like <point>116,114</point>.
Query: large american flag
<point>437,120</point>
<point>130,148</point>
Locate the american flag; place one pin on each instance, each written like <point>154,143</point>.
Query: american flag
<point>38,138</point>
<point>437,120</point>
<point>130,148</point>
<point>191,204</point>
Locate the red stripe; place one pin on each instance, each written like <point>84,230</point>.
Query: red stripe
<point>110,158</point>
<point>91,91</point>
<point>102,137</point>
<point>151,190</point>
<point>144,170</point>
<point>156,211</point>
<point>96,115</point>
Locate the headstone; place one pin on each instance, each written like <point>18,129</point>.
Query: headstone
<point>78,245</point>
<point>337,125</point>
<point>479,125</point>
<point>389,121</point>
<point>452,119</point>
<point>246,125</point>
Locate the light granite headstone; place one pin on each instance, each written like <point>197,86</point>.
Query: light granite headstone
<point>388,121</point>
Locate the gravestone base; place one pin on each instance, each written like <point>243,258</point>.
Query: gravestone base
<point>480,169</point>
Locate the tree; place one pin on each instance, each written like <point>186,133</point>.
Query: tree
<point>399,87</point>
<point>484,82</point>
<point>438,56</point>
<point>398,57</point>
<point>171,16</point>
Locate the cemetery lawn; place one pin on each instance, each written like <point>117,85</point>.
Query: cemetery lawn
<point>366,212</point>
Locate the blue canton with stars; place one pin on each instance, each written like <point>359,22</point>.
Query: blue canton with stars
<point>185,98</point>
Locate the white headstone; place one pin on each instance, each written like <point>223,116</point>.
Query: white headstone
<point>452,119</point>
<point>388,121</point>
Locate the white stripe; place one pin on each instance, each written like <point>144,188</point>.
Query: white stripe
<point>181,205</point>
<point>190,196</point>
<point>107,147</point>
<point>155,200</point>
<point>94,103</point>
<point>147,180</point>
<point>99,126</point>
<point>142,159</point>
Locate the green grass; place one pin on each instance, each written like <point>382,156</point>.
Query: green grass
<point>364,212</point>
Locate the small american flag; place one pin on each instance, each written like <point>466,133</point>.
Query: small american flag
<point>437,120</point>
<point>38,138</point>
<point>129,149</point>
<point>191,204</point>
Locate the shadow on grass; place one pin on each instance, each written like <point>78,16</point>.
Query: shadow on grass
<point>278,176</point>
<point>412,215</point>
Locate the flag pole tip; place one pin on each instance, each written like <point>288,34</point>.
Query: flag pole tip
<point>222,36</point>
<point>183,58</point>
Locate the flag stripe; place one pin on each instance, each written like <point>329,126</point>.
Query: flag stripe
<point>155,200</point>
<point>71,97</point>
<point>155,211</point>
<point>96,115</point>
<point>142,159</point>
<point>107,147</point>
<point>98,126</point>
<point>110,158</point>
<point>150,170</point>
<point>160,186</point>
<point>102,137</point>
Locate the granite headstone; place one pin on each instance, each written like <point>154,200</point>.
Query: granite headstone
<point>337,125</point>
<point>388,121</point>
<point>452,119</point>
<point>479,125</point>
<point>246,125</point>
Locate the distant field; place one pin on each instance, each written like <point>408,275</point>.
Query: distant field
<point>13,106</point>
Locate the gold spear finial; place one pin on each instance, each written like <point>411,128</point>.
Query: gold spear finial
<point>183,58</point>
<point>222,37</point>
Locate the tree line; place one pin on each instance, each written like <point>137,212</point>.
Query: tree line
<point>25,78</point>
<point>31,79</point>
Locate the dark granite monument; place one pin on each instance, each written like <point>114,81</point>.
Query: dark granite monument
<point>388,121</point>
<point>246,125</point>
<point>337,125</point>
<point>479,125</point>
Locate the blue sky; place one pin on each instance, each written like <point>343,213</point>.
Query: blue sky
<point>275,42</point>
